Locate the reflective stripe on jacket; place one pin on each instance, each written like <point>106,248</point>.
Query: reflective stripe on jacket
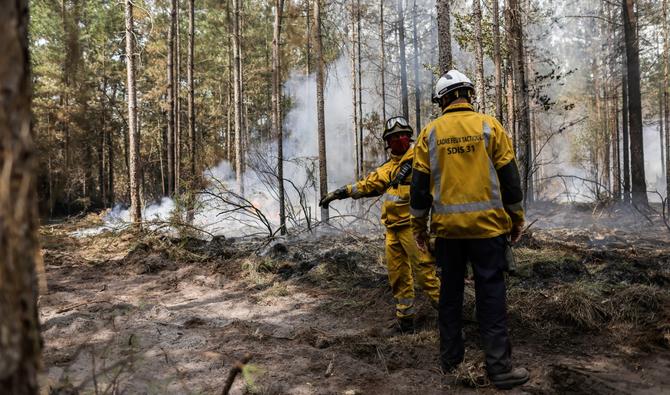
<point>395,199</point>
<point>461,152</point>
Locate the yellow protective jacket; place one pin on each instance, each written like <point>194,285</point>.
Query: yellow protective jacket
<point>465,175</point>
<point>395,207</point>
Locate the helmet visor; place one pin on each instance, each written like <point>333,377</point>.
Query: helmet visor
<point>400,120</point>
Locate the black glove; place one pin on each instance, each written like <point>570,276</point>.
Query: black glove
<point>405,170</point>
<point>340,193</point>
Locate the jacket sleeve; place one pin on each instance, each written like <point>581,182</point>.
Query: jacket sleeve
<point>508,173</point>
<point>373,185</point>
<point>420,197</point>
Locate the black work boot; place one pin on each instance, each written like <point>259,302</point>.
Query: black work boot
<point>401,326</point>
<point>514,377</point>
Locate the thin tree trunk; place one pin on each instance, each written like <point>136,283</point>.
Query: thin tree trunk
<point>191,105</point>
<point>171,101</point>
<point>382,40</point>
<point>521,99</point>
<point>497,61</point>
<point>177,101</point>
<point>276,110</point>
<point>360,88</point>
<point>110,155</point>
<point>323,168</point>
<point>102,185</point>
<point>639,182</point>
<point>20,354</point>
<point>444,34</point>
<point>417,79</point>
<point>354,94</point>
<point>625,131</point>
<point>238,95</point>
<point>133,129</point>
<point>403,61</point>
<point>308,51</point>
<point>666,97</point>
<point>480,83</point>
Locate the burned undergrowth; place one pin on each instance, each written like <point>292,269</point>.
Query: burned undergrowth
<point>313,309</point>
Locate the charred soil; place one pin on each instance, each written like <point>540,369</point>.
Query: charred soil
<point>142,313</point>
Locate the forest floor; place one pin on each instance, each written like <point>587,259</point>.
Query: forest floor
<point>589,313</point>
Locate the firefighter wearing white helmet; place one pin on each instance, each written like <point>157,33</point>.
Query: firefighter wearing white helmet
<point>465,176</point>
<point>406,264</point>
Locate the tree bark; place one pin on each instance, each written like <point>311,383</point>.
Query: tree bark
<point>238,95</point>
<point>480,83</point>
<point>417,79</point>
<point>403,61</point>
<point>191,104</point>
<point>666,98</point>
<point>276,110</point>
<point>354,94</point>
<point>639,183</point>
<point>133,128</point>
<point>323,168</point>
<point>444,34</point>
<point>361,157</point>
<point>382,40</point>
<point>20,354</point>
<point>521,99</point>
<point>171,101</point>
<point>497,61</point>
<point>177,102</point>
<point>625,132</point>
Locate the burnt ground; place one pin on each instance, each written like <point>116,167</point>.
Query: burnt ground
<point>130,313</point>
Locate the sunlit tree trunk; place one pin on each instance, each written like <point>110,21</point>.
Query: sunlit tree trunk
<point>321,128</point>
<point>480,83</point>
<point>171,101</point>
<point>444,34</point>
<point>276,109</point>
<point>417,78</point>
<point>403,61</point>
<point>191,104</point>
<point>133,128</point>
<point>639,182</point>
<point>237,66</point>
<point>20,354</point>
<point>177,101</point>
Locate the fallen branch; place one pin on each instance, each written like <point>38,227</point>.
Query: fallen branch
<point>75,305</point>
<point>237,369</point>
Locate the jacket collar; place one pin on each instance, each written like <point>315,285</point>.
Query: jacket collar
<point>458,107</point>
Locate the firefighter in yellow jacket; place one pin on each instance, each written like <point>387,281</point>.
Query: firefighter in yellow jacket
<point>405,262</point>
<point>465,176</point>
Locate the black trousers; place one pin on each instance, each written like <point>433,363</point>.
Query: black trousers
<point>488,259</point>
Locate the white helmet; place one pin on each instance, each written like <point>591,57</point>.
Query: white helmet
<point>450,82</point>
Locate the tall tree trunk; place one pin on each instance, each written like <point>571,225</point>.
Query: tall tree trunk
<point>417,79</point>
<point>480,83</point>
<point>497,61</point>
<point>238,95</point>
<point>20,354</point>
<point>133,128</point>
<point>102,185</point>
<point>110,154</point>
<point>666,97</point>
<point>382,46</point>
<point>191,105</point>
<point>308,49</point>
<point>444,34</point>
<point>177,101</point>
<point>171,100</point>
<point>521,99</point>
<point>639,182</point>
<point>276,110</point>
<point>403,61</point>
<point>361,157</point>
<point>625,131</point>
<point>354,94</point>
<point>323,168</point>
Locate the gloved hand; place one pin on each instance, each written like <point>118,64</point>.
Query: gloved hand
<point>517,231</point>
<point>340,193</point>
<point>420,231</point>
<point>422,241</point>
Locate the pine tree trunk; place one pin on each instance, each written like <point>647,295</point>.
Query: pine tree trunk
<point>20,354</point>
<point>480,83</point>
<point>666,98</point>
<point>444,34</point>
<point>110,155</point>
<point>403,61</point>
<point>639,182</point>
<point>133,128</point>
<point>171,101</point>
<point>238,95</point>
<point>191,105</point>
<point>382,46</point>
<point>354,94</point>
<point>497,61</point>
<point>323,168</point>
<point>177,102</point>
<point>360,88</point>
<point>276,110</point>
<point>625,131</point>
<point>521,99</point>
<point>417,79</point>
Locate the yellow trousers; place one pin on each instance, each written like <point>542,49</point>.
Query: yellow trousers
<point>405,264</point>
